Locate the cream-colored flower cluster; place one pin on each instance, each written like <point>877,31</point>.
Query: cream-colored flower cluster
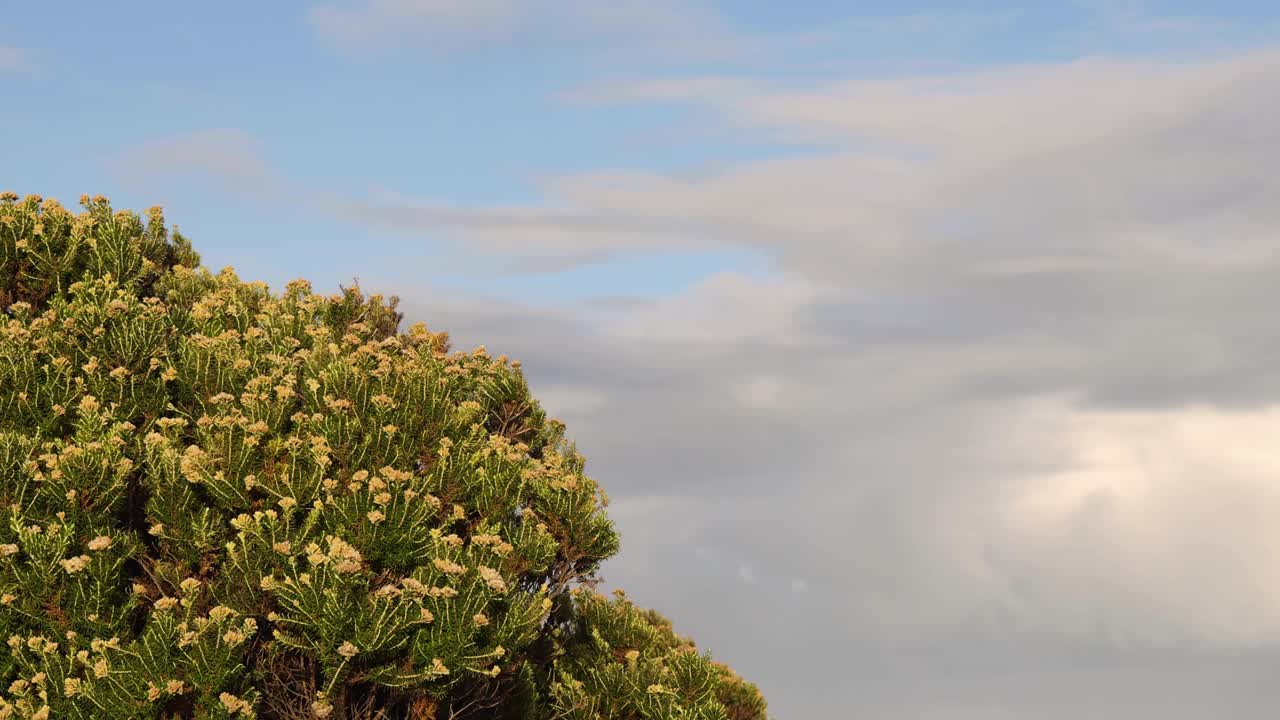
<point>204,476</point>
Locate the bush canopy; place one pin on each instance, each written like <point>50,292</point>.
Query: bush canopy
<point>222,502</point>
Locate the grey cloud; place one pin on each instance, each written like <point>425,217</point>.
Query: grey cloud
<point>1163,335</point>
<point>1007,408</point>
<point>1118,208</point>
<point>659,388</point>
<point>891,493</point>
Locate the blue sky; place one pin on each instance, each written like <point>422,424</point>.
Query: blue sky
<point>461,128</point>
<point>473,122</point>
<point>938,330</point>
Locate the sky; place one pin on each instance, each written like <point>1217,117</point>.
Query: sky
<point>926,349</point>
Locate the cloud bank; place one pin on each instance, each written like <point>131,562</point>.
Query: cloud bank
<point>992,439</point>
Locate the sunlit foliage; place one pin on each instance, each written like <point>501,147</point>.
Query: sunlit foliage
<point>221,502</point>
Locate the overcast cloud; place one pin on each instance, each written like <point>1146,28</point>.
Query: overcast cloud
<point>999,439</point>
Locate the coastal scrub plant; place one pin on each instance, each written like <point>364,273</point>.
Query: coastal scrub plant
<point>222,502</point>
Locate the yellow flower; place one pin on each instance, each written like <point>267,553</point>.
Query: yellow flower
<point>75,564</point>
<point>492,578</point>
<point>448,567</point>
<point>233,704</point>
<point>221,612</point>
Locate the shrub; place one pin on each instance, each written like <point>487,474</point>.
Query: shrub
<point>225,503</point>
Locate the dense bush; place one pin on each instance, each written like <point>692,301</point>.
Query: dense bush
<point>225,503</point>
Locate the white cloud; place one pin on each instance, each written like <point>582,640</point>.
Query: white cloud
<point>1010,388</point>
<point>1161,525</point>
<point>760,392</point>
<point>685,28</point>
<point>1019,108</point>
<point>1111,161</point>
<point>228,158</point>
<point>366,21</point>
<point>1090,165</point>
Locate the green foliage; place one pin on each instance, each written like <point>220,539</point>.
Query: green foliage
<point>224,503</point>
<point>620,661</point>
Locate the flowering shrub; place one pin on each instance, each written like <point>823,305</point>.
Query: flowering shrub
<point>220,502</point>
